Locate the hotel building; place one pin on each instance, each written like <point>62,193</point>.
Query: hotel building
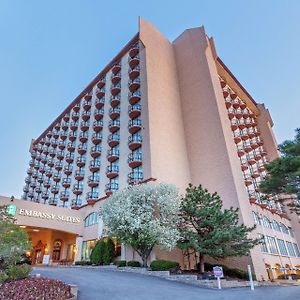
<point>167,112</point>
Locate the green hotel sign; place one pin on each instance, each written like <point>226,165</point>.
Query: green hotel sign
<point>11,209</point>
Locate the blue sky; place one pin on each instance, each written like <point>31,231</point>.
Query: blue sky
<point>50,50</point>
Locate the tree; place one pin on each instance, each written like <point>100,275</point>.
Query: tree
<point>13,240</point>
<point>143,216</point>
<point>284,173</point>
<point>209,229</point>
<point>109,251</point>
<point>98,252</point>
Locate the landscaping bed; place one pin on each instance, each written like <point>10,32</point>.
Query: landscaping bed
<point>33,288</point>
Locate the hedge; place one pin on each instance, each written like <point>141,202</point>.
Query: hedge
<point>83,263</point>
<point>163,265</point>
<point>120,263</point>
<point>134,263</point>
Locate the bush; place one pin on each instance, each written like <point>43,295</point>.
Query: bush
<point>83,263</point>
<point>235,273</point>
<point>35,288</point>
<point>163,265</point>
<point>18,272</point>
<point>286,276</point>
<point>98,253</point>
<point>3,277</point>
<point>109,252</point>
<point>133,263</point>
<point>120,263</point>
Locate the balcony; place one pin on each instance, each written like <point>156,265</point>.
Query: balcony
<point>83,136</point>
<point>45,150</point>
<point>101,83</point>
<point>92,197</point>
<point>244,165</point>
<point>33,184</point>
<point>113,154</point>
<point>100,102</point>
<point>238,113</point>
<point>254,144</point>
<point>80,162</point>
<point>230,113</point>
<point>135,159</point>
<point>248,147</point>
<point>72,136</point>
<point>76,203</point>
<point>134,84</point>
<point>240,151</point>
<point>248,179</point>
<point>53,201</point>
<point>86,115</point>
<point>95,165</point>
<point>62,145</point>
<point>98,114</point>
<point>40,179</point>
<point>76,107</point>
<point>47,142</point>
<point>82,148</point>
<point>134,141</point>
<point>68,170</point>
<point>133,61</point>
<point>87,104</point>
<point>66,117</point>
<point>261,167</point>
<point>252,197</point>
<point>66,182</point>
<point>64,196</point>
<point>112,171</point>
<point>114,125</point>
<point>116,77</point>
<point>100,93</point>
<point>25,189</point>
<point>134,97</point>
<point>93,181</point>
<point>77,188</point>
<point>38,189</point>
<point>134,50</point>
<point>134,110</point>
<point>98,125</point>
<point>33,154</point>
<point>115,88</point>
<point>259,141</point>
<point>114,112</point>
<point>73,126</point>
<point>79,175</point>
<point>55,134</point>
<point>97,138</point>
<point>116,68</point>
<point>45,195</point>
<point>95,151</point>
<point>71,147</point>
<point>34,175</point>
<point>49,173</point>
<point>49,134</point>
<point>236,137</point>
<point>47,183</point>
<point>56,177</point>
<point>42,170</point>
<point>134,72</point>
<point>111,187</point>
<point>38,158</point>
<point>84,126</point>
<point>70,157</point>
<point>245,113</point>
<point>88,96</point>
<point>52,152</point>
<point>248,122</point>
<point>64,125</point>
<point>29,171</point>
<point>51,163</point>
<point>115,100</point>
<point>113,139</point>
<point>255,174</point>
<point>75,116</point>
<point>135,177</point>
<point>54,189</point>
<point>235,102</point>
<point>27,179</point>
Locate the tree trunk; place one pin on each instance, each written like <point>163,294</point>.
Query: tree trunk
<point>144,258</point>
<point>201,263</point>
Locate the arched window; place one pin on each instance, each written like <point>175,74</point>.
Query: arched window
<point>91,219</point>
<point>266,222</point>
<point>256,218</point>
<point>276,225</point>
<point>284,229</point>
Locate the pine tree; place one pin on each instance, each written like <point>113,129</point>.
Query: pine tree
<point>108,252</point>
<point>284,173</point>
<point>209,229</point>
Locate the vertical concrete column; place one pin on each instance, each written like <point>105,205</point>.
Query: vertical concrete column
<point>79,241</point>
<point>123,252</point>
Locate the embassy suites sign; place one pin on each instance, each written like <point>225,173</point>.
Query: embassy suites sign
<point>47,216</point>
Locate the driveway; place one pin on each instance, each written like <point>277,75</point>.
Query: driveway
<point>99,284</point>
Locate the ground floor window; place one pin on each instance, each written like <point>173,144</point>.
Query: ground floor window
<point>87,247</point>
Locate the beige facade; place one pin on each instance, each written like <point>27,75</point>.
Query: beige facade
<point>171,112</point>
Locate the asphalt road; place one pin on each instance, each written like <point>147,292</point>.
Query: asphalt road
<point>96,284</point>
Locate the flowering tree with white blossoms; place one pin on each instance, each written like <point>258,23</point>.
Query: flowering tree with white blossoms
<point>143,216</point>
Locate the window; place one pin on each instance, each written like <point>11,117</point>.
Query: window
<point>284,229</point>
<point>276,225</point>
<point>282,247</point>
<point>291,249</point>
<point>266,222</point>
<point>91,219</point>
<point>291,232</point>
<point>271,244</point>
<point>87,247</point>
<point>296,250</point>
<point>256,218</point>
<point>263,245</point>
